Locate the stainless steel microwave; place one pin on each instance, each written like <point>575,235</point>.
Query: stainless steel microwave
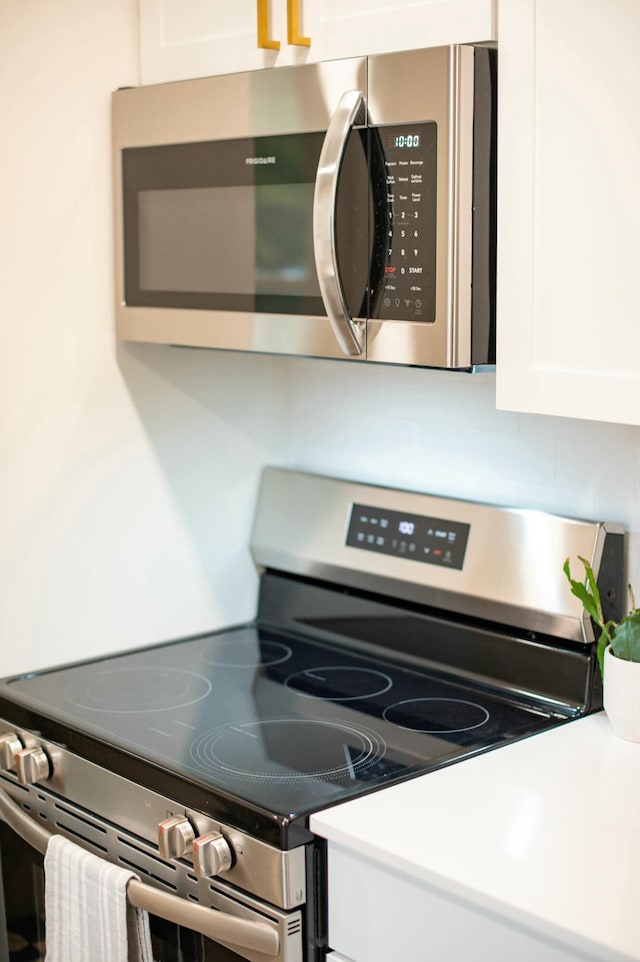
<point>343,209</point>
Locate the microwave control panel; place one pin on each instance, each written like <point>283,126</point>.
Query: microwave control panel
<point>407,270</point>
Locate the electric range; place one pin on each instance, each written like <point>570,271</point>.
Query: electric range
<point>396,633</point>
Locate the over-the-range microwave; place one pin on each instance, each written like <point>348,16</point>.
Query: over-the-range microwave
<point>344,209</point>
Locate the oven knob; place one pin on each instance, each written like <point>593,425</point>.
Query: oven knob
<point>10,745</point>
<point>175,837</point>
<point>211,855</point>
<point>32,766</point>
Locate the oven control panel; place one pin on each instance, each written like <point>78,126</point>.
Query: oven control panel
<point>433,541</point>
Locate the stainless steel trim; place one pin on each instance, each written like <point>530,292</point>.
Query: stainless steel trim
<point>258,103</point>
<point>349,333</point>
<point>258,868</point>
<point>512,570</point>
<point>460,205</point>
<point>251,935</point>
<point>258,333</point>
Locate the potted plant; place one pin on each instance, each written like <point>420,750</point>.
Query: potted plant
<point>618,654</point>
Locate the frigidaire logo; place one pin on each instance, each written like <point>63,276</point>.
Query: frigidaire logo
<point>259,160</point>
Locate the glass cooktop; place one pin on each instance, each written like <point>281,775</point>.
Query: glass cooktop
<point>279,721</point>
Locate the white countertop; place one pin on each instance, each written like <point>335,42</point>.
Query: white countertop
<point>546,830</point>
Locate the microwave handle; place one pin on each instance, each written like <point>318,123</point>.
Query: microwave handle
<point>240,934</point>
<point>349,333</point>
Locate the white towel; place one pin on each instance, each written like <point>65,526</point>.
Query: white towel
<point>87,915</point>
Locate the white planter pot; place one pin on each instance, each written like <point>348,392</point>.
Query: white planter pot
<point>621,695</point>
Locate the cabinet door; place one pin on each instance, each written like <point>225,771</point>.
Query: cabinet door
<point>569,208</point>
<point>377,914</point>
<point>180,39</point>
<point>362,27</point>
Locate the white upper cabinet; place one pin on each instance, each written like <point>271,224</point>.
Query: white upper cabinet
<point>180,39</point>
<point>353,28</point>
<point>569,208</point>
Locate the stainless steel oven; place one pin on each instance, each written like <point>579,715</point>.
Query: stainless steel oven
<point>192,919</point>
<point>343,209</point>
<point>396,633</point>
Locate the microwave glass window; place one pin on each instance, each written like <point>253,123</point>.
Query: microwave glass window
<point>228,225</point>
<point>248,240</point>
<point>222,225</point>
<point>284,258</point>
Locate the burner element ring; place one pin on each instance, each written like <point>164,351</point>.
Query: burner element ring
<point>288,750</point>
<point>138,690</point>
<point>246,653</point>
<point>436,716</point>
<point>339,683</point>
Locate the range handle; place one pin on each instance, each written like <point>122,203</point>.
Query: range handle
<point>349,332</point>
<point>237,933</point>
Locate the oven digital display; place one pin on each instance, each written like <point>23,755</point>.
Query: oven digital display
<point>432,541</point>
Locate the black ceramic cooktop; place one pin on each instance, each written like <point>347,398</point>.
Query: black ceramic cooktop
<point>282,722</point>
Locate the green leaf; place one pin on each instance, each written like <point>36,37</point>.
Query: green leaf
<point>590,601</point>
<point>591,581</point>
<point>602,644</point>
<point>626,639</point>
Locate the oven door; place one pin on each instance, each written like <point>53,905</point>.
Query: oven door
<point>22,936</point>
<point>223,929</point>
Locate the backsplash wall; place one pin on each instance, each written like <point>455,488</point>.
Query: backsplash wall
<point>440,432</point>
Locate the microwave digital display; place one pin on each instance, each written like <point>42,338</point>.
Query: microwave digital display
<point>408,140</point>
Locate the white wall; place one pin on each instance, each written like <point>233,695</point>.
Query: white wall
<point>128,473</point>
<point>127,476</point>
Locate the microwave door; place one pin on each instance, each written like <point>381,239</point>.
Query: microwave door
<point>215,182</point>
